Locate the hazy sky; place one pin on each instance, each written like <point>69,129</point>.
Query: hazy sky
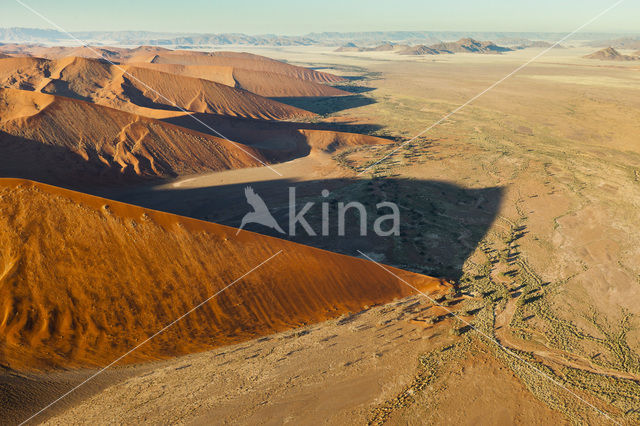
<point>303,16</point>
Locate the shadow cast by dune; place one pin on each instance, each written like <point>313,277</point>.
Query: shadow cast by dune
<point>440,224</point>
<point>324,106</point>
<point>247,131</point>
<point>354,89</point>
<point>278,140</point>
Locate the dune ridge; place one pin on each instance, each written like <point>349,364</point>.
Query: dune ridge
<point>81,311</point>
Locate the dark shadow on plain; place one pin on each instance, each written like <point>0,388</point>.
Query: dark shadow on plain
<point>250,131</point>
<point>440,224</point>
<point>354,89</point>
<point>354,77</point>
<point>328,105</point>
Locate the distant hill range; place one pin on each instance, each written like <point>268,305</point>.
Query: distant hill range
<point>464,45</point>
<point>631,43</point>
<point>48,36</point>
<point>611,54</point>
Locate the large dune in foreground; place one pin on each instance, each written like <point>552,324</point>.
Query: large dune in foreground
<point>137,89</point>
<point>61,139</point>
<point>123,272</point>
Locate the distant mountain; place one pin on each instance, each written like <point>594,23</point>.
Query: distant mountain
<point>373,38</point>
<point>30,35</point>
<point>523,43</point>
<point>349,47</point>
<point>384,47</point>
<point>363,39</point>
<point>632,43</point>
<point>469,45</point>
<point>226,39</point>
<point>420,49</point>
<point>611,54</point>
<point>464,45</point>
<point>367,39</point>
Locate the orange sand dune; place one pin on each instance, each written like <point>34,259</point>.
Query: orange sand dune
<point>138,88</point>
<point>84,279</point>
<point>153,54</point>
<point>245,61</point>
<point>218,73</point>
<point>268,84</point>
<point>61,139</point>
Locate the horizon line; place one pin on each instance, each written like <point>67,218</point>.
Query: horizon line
<point>623,32</point>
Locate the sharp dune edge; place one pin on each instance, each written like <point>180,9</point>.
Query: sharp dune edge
<point>62,137</point>
<point>81,310</point>
<point>136,89</point>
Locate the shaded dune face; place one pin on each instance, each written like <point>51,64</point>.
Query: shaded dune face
<point>55,138</point>
<point>131,88</point>
<point>84,279</point>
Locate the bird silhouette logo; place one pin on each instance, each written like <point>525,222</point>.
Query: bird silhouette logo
<point>260,213</point>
